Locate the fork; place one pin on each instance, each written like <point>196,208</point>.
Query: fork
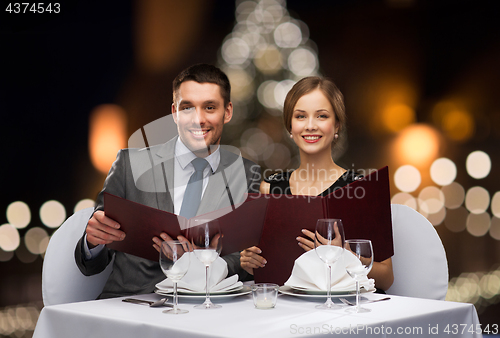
<point>346,302</point>
<point>157,303</point>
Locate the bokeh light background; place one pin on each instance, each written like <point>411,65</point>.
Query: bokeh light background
<point>419,80</point>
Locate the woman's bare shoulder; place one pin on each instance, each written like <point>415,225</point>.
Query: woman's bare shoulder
<point>264,187</point>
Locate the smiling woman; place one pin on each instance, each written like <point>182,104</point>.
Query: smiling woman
<point>314,115</point>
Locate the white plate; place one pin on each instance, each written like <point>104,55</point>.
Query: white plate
<point>190,292</point>
<point>244,290</point>
<point>286,290</point>
<point>333,293</point>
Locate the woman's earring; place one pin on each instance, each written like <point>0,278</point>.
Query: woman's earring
<point>336,136</point>
<point>291,136</point>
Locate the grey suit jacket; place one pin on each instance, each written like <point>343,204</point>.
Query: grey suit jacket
<point>146,176</point>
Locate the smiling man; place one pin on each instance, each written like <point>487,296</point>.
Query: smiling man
<point>200,111</point>
<point>160,177</point>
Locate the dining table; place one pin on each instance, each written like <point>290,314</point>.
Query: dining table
<point>293,316</point>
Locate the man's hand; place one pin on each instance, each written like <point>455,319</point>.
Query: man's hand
<point>103,230</point>
<point>250,259</point>
<point>164,237</point>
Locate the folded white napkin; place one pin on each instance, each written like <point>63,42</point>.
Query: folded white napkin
<point>310,273</point>
<point>194,279</point>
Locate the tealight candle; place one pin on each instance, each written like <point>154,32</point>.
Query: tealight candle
<point>264,303</point>
<point>265,295</point>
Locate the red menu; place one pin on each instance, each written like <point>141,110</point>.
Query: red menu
<point>272,222</point>
<point>364,207</point>
<point>241,227</point>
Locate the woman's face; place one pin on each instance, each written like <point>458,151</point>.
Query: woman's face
<point>314,123</point>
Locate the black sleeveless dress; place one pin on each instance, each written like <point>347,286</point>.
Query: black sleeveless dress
<point>280,185</point>
<point>280,182</point>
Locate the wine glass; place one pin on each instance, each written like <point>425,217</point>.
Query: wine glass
<point>206,239</point>
<point>174,262</point>
<point>329,245</point>
<point>363,250</point>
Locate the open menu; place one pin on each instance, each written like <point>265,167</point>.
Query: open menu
<point>241,226</point>
<point>271,222</point>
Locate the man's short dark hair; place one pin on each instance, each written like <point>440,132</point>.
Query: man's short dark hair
<point>203,73</point>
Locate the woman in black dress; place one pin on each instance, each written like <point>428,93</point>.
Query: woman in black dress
<point>314,115</point>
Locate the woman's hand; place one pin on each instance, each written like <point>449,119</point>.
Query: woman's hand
<point>306,243</point>
<point>336,241</point>
<point>250,259</point>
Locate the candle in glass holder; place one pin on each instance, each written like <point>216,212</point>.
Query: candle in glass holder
<point>265,295</point>
<point>264,303</point>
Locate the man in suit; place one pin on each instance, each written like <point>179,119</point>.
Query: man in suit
<point>157,176</point>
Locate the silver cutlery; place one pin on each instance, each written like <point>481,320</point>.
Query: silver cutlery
<point>346,302</point>
<point>157,303</point>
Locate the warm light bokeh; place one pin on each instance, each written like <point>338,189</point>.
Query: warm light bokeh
<point>83,204</point>
<point>443,171</point>
<point>18,214</point>
<point>495,204</point>
<point>478,164</point>
<point>36,240</point>
<point>404,199</point>
<point>456,219</point>
<point>418,145</point>
<point>454,195</point>
<point>52,214</point>
<point>269,60</point>
<point>396,117</point>
<point>478,224</point>
<point>458,125</point>
<point>495,228</point>
<point>392,101</point>
<point>431,200</point>
<point>454,119</point>
<point>9,237</point>
<point>407,178</point>
<point>477,200</point>
<point>107,135</point>
<point>165,30</point>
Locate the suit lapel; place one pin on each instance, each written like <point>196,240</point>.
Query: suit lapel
<point>163,160</point>
<point>216,188</point>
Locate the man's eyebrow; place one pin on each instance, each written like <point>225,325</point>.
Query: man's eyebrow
<point>210,102</point>
<point>184,102</point>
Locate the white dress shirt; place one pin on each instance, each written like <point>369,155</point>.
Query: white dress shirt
<point>183,169</point>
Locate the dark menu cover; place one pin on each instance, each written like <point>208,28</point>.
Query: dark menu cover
<point>364,207</point>
<point>241,228</point>
<point>271,222</point>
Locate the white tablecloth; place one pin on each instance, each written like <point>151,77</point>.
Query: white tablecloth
<point>292,317</point>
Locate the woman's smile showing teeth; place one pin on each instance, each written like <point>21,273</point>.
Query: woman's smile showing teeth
<point>311,138</point>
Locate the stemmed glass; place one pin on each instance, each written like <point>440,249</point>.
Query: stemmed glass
<point>206,239</point>
<point>363,250</point>
<point>329,245</point>
<point>174,262</point>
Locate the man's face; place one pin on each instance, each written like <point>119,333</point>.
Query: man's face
<point>200,115</point>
